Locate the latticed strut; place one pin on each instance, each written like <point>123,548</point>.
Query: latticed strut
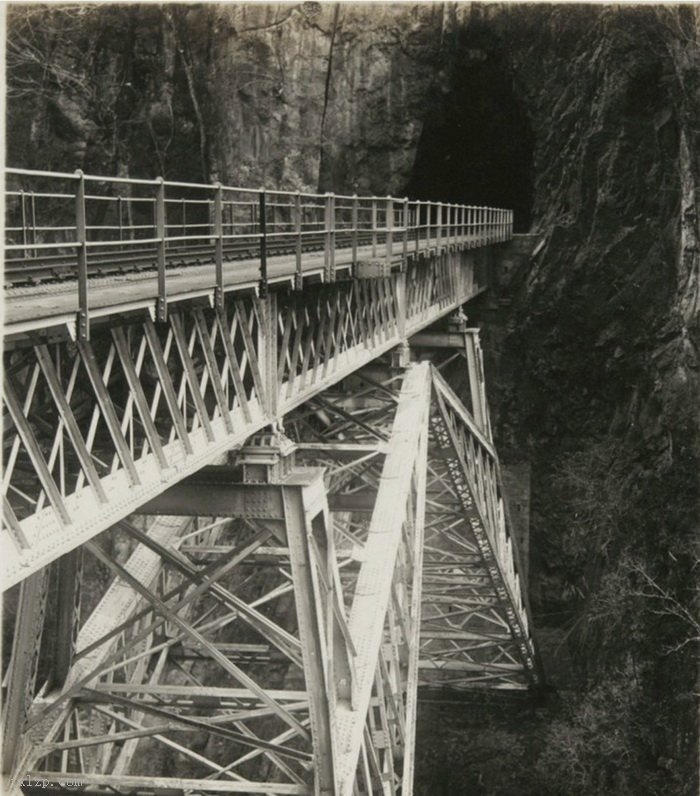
<point>241,531</point>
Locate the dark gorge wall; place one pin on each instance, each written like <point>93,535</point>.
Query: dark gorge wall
<point>298,96</point>
<point>585,120</point>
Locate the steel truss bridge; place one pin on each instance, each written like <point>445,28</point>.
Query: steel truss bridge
<point>246,515</point>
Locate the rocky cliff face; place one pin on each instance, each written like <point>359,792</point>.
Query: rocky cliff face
<point>586,120</point>
<point>299,96</point>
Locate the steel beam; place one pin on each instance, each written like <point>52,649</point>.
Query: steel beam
<point>373,590</point>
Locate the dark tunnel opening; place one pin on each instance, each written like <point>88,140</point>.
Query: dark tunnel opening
<point>476,146</point>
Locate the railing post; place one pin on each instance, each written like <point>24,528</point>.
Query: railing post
<point>219,245</point>
<point>162,302</point>
<point>428,218</point>
<point>389,230</point>
<point>23,205</point>
<point>438,234</point>
<point>418,219</point>
<point>83,319</point>
<point>299,277</point>
<point>374,227</point>
<point>262,232</point>
<point>329,226</point>
<point>462,217</point>
<point>120,213</point>
<point>355,222</point>
<point>32,202</point>
<point>405,234</point>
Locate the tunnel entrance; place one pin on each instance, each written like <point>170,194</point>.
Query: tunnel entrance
<point>476,146</point>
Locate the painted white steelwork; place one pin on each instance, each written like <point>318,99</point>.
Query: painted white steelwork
<point>271,604</point>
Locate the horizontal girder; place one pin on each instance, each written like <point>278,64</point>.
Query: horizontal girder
<point>97,429</point>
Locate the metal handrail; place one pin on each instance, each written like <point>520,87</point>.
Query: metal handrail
<point>175,215</point>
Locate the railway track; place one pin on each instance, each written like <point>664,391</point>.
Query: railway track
<point>62,267</point>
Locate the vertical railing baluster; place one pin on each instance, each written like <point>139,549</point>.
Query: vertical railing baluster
<point>262,234</point>
<point>162,302</point>
<point>438,234</point>
<point>83,320</point>
<point>418,225</point>
<point>374,227</point>
<point>355,222</point>
<point>329,229</point>
<point>428,218</point>
<point>23,206</point>
<point>405,233</point>
<point>32,204</point>
<point>120,213</point>
<point>299,279</point>
<point>389,230</point>
<point>333,228</point>
<point>219,245</point>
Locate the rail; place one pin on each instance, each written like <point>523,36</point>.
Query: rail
<point>76,226</point>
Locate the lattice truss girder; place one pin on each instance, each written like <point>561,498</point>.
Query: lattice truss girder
<point>93,429</point>
<point>474,625</point>
<point>274,653</point>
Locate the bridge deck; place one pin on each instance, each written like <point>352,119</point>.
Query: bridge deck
<point>51,304</point>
